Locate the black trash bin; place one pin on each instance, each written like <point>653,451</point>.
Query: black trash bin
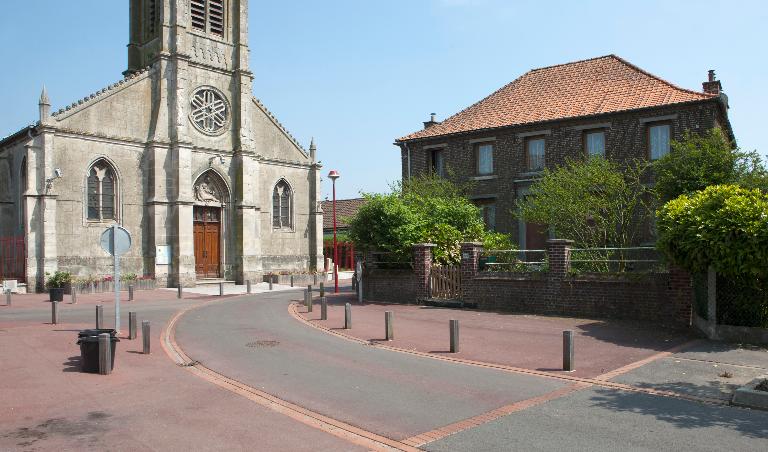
<point>88,340</point>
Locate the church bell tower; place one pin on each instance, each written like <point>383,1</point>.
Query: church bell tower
<point>197,51</point>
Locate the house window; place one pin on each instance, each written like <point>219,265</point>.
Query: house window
<point>208,16</point>
<point>484,159</point>
<point>101,192</point>
<point>438,162</point>
<point>658,140</point>
<point>488,212</point>
<point>281,206</point>
<point>535,154</point>
<point>594,142</point>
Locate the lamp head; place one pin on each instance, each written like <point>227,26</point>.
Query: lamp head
<point>333,175</point>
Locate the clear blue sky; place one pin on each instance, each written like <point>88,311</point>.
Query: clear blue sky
<point>356,74</point>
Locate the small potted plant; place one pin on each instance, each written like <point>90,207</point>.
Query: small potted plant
<point>57,284</point>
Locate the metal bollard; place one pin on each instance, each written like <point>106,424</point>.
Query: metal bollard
<point>270,283</point>
<point>145,335</point>
<point>323,308</point>
<point>8,297</point>
<point>99,316</point>
<point>54,313</point>
<point>322,290</point>
<point>221,289</point>
<point>73,294</point>
<point>360,291</point>
<point>179,292</point>
<point>130,292</point>
<point>389,318</point>
<point>568,336</point>
<point>315,278</point>
<point>454,327</point>
<point>131,325</point>
<point>291,280</point>
<point>347,316</point>
<point>105,354</point>
<point>248,286</point>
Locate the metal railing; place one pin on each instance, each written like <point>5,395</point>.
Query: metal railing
<point>515,261</point>
<point>615,260</point>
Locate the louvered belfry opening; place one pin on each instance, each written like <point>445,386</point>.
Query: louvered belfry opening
<point>208,16</point>
<point>216,16</point>
<point>198,15</point>
<point>152,26</point>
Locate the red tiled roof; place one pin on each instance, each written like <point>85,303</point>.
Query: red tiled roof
<point>345,208</point>
<point>599,85</point>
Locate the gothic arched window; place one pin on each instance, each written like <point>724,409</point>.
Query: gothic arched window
<point>102,192</point>
<point>281,206</point>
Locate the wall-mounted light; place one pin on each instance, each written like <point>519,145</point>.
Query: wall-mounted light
<point>57,174</point>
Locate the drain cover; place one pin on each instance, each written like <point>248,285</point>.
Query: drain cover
<point>262,344</point>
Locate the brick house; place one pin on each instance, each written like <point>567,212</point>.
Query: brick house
<point>604,106</point>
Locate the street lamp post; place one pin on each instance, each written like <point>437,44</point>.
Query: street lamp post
<point>335,175</point>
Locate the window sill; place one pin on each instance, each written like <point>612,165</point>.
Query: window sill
<point>532,173</point>
<point>283,230</point>
<point>485,177</point>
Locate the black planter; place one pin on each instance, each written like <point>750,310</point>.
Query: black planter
<point>56,293</point>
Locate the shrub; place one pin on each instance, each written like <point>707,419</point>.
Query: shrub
<point>58,280</point>
<point>426,209</point>
<point>698,161</point>
<point>724,226</point>
<point>593,202</point>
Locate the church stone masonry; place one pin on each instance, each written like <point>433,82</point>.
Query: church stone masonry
<point>179,152</point>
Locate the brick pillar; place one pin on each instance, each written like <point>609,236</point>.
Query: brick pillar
<point>559,255</point>
<point>470,259</point>
<point>422,265</point>
<point>680,296</point>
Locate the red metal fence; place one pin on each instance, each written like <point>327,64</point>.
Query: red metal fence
<point>13,258</point>
<point>346,254</point>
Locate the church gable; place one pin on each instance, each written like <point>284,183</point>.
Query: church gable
<point>122,110</point>
<point>271,139</point>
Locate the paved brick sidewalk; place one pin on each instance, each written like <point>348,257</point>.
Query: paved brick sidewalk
<point>526,341</point>
<point>148,403</point>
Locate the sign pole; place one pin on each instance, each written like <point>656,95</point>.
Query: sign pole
<point>116,258</point>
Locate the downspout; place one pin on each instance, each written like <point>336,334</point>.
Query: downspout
<point>405,145</point>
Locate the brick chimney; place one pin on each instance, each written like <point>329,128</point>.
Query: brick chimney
<point>431,122</point>
<point>712,86</point>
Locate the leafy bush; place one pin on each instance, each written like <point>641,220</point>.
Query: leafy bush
<point>58,280</point>
<point>594,202</point>
<point>428,209</point>
<point>697,162</point>
<point>724,226</point>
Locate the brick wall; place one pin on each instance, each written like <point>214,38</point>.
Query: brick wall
<point>661,298</point>
<point>626,139</point>
<point>391,286</point>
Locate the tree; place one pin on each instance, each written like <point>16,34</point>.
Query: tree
<point>723,226</point>
<point>595,202</point>
<point>426,209</point>
<point>698,161</point>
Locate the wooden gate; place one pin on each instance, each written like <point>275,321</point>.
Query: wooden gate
<point>445,282</point>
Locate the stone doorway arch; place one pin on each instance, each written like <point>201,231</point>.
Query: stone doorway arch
<point>210,215</point>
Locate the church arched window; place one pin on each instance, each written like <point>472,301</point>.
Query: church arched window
<point>282,206</point>
<point>101,188</point>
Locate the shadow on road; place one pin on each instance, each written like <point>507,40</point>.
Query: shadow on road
<point>683,414</point>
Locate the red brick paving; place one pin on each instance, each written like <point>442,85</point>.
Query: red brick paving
<point>525,341</point>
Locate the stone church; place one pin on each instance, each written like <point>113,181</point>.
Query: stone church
<point>178,152</point>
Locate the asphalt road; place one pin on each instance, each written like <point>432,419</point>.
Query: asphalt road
<point>255,341</point>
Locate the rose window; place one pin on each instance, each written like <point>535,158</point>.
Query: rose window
<point>210,111</point>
